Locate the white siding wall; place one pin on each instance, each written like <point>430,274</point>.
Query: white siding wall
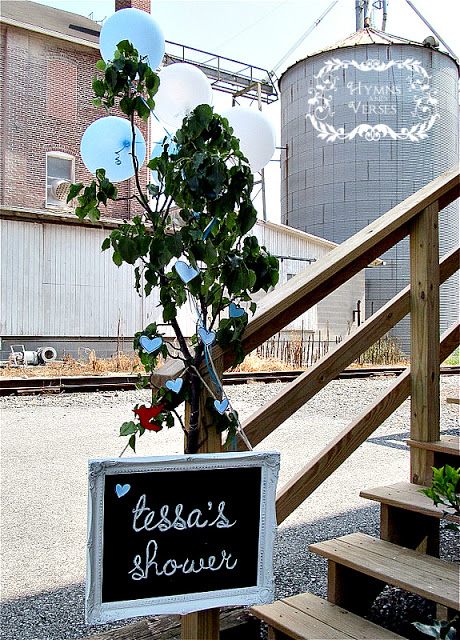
<point>56,281</point>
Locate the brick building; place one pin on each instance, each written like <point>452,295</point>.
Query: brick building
<point>48,59</point>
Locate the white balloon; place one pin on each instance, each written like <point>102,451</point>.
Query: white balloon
<point>256,134</point>
<point>139,28</point>
<point>182,88</point>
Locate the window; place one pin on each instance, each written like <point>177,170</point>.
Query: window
<point>60,173</point>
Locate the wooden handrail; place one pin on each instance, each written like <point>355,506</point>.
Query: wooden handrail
<point>266,419</point>
<point>300,293</point>
<point>348,440</point>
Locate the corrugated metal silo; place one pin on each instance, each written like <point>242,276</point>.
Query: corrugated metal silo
<point>367,122</point>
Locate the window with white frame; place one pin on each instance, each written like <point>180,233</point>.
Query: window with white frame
<point>60,173</point>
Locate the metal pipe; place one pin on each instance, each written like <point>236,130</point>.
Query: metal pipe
<point>262,172</point>
<point>359,15</point>
<point>366,13</point>
<point>385,14</point>
<point>299,42</point>
<point>431,29</point>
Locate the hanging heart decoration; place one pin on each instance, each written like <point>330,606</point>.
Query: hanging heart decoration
<point>122,489</point>
<point>146,414</point>
<point>234,311</point>
<point>185,271</point>
<point>174,385</point>
<point>221,406</point>
<point>207,337</point>
<point>150,344</point>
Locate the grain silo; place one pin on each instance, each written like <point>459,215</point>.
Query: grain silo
<point>366,123</point>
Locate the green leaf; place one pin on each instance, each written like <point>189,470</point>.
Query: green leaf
<point>142,108</point>
<point>74,191</point>
<point>127,428</point>
<point>100,64</point>
<point>169,311</point>
<point>106,244</point>
<point>132,443</point>
<point>94,214</point>
<point>127,105</point>
<point>111,76</point>
<point>127,250</point>
<point>98,87</point>
<point>117,258</point>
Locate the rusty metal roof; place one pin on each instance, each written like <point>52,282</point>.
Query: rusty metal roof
<point>366,36</point>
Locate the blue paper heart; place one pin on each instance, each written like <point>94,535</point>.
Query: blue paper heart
<point>185,271</point>
<point>174,385</point>
<point>234,311</point>
<point>221,406</point>
<point>150,344</point>
<point>122,490</point>
<point>207,337</point>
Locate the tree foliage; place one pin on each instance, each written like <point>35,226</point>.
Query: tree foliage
<point>445,491</point>
<point>199,211</point>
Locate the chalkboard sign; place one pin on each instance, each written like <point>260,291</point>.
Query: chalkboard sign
<point>177,534</point>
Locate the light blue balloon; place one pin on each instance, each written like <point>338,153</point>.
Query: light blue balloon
<point>139,28</point>
<point>106,144</point>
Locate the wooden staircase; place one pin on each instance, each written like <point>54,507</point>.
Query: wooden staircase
<point>359,566</point>
<point>306,616</point>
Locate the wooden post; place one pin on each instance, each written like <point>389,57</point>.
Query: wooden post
<point>424,312</point>
<point>204,625</point>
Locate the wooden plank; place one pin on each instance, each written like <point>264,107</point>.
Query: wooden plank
<point>303,483</point>
<point>295,623</point>
<point>166,627</point>
<point>350,589</point>
<point>448,444</point>
<point>406,495</point>
<point>203,624</point>
<point>423,575</point>
<point>295,394</point>
<point>340,619</point>
<point>424,311</point>
<point>409,529</point>
<point>299,294</point>
<point>453,399</point>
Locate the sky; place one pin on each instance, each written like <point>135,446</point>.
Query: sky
<point>261,33</point>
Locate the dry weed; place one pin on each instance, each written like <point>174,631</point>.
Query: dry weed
<point>254,362</point>
<point>89,364</point>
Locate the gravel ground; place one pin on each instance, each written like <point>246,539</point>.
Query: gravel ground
<point>46,442</point>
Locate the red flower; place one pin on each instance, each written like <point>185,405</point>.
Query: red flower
<point>146,414</point>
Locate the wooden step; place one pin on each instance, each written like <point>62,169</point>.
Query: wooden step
<point>425,455</point>
<point>448,445</point>
<point>407,517</point>
<point>387,563</point>
<point>406,495</point>
<point>308,617</point>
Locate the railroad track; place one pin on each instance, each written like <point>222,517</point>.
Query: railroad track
<point>74,384</point>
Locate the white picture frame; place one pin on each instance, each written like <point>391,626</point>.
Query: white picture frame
<point>258,588</point>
